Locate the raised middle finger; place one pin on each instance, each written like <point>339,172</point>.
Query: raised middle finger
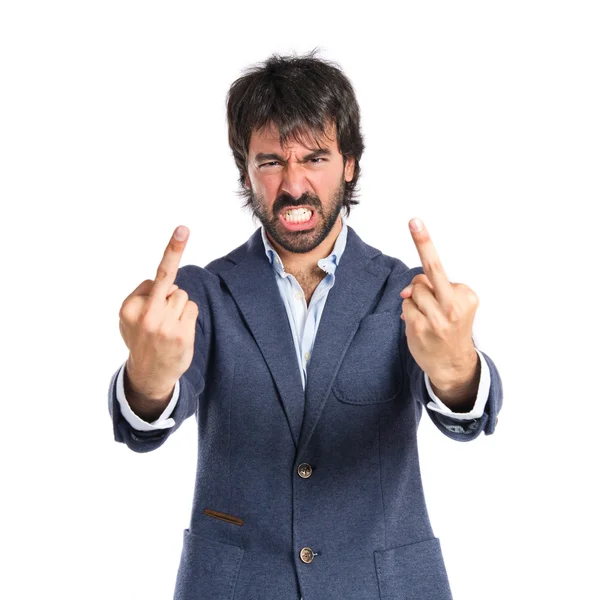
<point>167,269</point>
<point>432,265</point>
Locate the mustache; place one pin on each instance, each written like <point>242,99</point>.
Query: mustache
<point>285,201</point>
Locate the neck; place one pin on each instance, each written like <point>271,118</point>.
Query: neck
<point>306,261</point>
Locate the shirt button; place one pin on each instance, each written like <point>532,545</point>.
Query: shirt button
<point>306,355</point>
<point>306,555</point>
<point>304,470</point>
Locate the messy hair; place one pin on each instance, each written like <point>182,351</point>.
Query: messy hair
<point>296,94</point>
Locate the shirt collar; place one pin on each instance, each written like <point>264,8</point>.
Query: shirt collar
<point>328,264</point>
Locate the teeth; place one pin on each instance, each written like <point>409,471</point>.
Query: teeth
<point>298,215</point>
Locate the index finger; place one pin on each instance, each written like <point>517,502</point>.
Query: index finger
<point>167,269</point>
<point>432,266</point>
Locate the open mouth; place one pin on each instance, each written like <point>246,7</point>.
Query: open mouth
<point>298,218</point>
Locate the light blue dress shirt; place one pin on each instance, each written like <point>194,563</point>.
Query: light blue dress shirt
<point>304,322</point>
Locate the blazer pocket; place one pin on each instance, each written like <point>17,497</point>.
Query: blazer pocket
<point>372,371</point>
<point>207,569</point>
<point>413,571</point>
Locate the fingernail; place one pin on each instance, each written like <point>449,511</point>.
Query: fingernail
<point>416,224</point>
<point>407,289</point>
<point>180,233</point>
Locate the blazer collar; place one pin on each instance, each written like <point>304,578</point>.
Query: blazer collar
<point>252,284</point>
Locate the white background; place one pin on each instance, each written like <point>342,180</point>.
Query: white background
<point>482,118</point>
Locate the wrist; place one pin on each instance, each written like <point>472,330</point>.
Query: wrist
<point>458,388</point>
<point>147,394</point>
<point>458,375</point>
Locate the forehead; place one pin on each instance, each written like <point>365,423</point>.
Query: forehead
<point>269,137</point>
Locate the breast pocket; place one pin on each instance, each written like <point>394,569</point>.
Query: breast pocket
<point>372,371</point>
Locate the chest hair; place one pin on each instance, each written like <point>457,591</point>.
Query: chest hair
<point>309,280</point>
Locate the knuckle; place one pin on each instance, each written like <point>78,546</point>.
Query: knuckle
<point>124,312</point>
<point>161,273</point>
<point>473,298</point>
<point>454,314</point>
<point>432,266</point>
<point>418,327</point>
<point>181,294</point>
<point>163,333</point>
<point>128,312</point>
<point>470,296</point>
<point>421,278</point>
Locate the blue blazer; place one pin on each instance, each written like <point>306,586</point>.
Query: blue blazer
<point>318,493</point>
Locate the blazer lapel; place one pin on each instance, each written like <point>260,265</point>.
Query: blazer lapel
<point>254,288</point>
<point>357,282</point>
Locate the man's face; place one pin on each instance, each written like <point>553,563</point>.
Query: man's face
<point>300,178</point>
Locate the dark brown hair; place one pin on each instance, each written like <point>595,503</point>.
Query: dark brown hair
<point>296,94</point>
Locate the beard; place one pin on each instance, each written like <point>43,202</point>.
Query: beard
<point>299,241</point>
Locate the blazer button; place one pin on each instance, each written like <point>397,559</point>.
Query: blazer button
<point>304,470</point>
<point>306,555</point>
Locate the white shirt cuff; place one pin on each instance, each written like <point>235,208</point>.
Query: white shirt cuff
<point>163,422</point>
<point>482,394</point>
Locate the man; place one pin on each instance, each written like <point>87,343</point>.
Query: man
<point>307,357</point>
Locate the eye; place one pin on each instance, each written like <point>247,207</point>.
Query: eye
<point>268,164</point>
<point>314,160</point>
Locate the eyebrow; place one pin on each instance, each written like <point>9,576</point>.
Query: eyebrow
<point>316,153</point>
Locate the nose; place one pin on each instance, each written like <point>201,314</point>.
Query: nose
<point>294,181</point>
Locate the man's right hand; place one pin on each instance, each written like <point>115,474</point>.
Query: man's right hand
<point>158,324</point>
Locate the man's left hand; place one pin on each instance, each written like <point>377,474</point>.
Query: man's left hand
<point>439,320</point>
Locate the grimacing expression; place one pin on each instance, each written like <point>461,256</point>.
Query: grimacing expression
<point>302,176</point>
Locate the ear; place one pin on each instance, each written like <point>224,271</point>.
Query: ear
<point>349,169</point>
<point>246,181</point>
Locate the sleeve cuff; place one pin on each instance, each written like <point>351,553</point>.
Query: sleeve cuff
<point>482,395</point>
<point>163,422</point>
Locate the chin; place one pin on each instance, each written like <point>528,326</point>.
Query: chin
<point>299,242</point>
